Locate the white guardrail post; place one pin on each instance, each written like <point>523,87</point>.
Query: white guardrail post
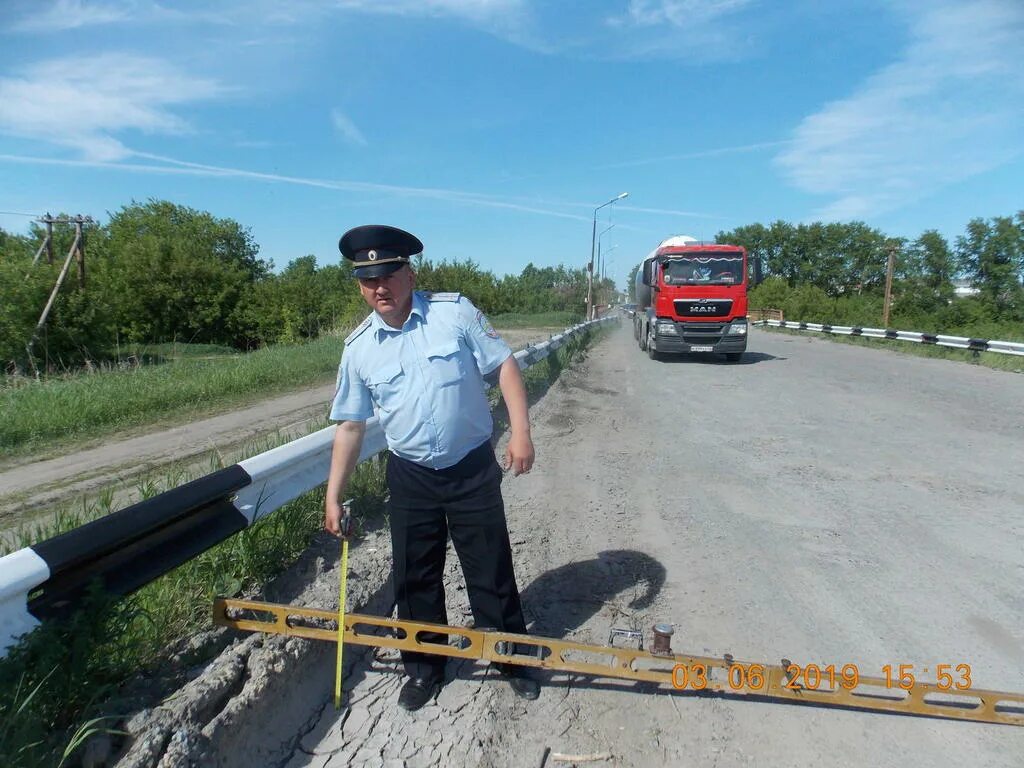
<point>175,526</point>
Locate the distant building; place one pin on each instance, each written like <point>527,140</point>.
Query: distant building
<point>963,287</point>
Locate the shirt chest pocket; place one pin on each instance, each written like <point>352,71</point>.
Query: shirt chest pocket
<point>445,363</point>
<point>386,385</point>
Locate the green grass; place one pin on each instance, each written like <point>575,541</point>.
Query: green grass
<point>70,678</point>
<point>37,414</point>
<point>195,379</point>
<point>173,350</point>
<point>539,320</point>
<point>1011,363</point>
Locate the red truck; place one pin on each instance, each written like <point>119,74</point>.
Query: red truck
<point>693,298</point>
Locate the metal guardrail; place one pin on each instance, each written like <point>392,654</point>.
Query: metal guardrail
<point>134,546</point>
<point>936,339</point>
<point>757,315</point>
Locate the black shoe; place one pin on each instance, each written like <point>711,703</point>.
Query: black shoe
<point>522,681</point>
<point>417,691</point>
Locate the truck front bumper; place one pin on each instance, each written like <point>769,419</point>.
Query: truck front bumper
<point>700,337</point>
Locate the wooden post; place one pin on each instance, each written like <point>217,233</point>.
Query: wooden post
<point>888,284</point>
<point>50,301</point>
<point>80,251</point>
<point>49,238</point>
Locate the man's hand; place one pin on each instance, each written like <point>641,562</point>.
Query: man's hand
<point>348,439</point>
<point>338,519</point>
<point>332,517</point>
<point>519,454</point>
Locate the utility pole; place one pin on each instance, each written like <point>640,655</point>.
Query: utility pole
<point>49,238</point>
<point>80,250</point>
<point>77,252</point>
<point>888,284</point>
<point>47,244</point>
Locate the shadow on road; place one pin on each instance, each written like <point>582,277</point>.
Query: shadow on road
<point>749,358</point>
<point>563,599</point>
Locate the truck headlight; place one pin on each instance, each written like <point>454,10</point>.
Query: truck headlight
<point>738,327</point>
<point>667,327</point>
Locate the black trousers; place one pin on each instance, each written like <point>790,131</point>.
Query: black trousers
<point>427,506</point>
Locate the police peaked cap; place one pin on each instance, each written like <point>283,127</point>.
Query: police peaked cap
<point>376,250</point>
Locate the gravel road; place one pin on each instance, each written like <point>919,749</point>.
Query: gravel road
<point>820,502</point>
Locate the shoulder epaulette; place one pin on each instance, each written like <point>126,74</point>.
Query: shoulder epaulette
<point>451,296</point>
<point>359,329</point>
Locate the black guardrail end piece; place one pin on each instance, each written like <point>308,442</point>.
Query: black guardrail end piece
<point>826,328</point>
<point>929,338</point>
<point>855,331</point>
<point>979,345</point>
<point>891,334</point>
<point>134,565</point>
<point>94,539</point>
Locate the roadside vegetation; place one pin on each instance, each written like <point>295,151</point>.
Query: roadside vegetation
<point>161,275</point>
<point>178,315</point>
<point>558,320</point>
<point>74,406</point>
<point>67,408</point>
<point>835,273</point>
<point>73,680</point>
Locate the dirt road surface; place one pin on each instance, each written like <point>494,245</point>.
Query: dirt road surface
<point>30,488</point>
<point>821,502</point>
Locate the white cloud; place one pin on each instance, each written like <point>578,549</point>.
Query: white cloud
<point>677,13</point>
<point>84,102</point>
<point>185,168</point>
<point>348,130</point>
<point>692,30</point>
<point>71,14</point>
<point>472,9</point>
<point>646,29</point>
<point>950,107</point>
<point>705,153</point>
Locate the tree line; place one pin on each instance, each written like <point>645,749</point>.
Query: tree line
<point>836,272</point>
<point>160,272</point>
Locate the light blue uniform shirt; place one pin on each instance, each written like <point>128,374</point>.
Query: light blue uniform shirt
<point>425,380</point>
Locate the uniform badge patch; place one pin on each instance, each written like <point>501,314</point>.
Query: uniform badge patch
<point>485,325</point>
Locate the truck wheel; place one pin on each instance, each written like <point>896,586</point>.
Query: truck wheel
<point>642,340</point>
<point>733,357</point>
<point>651,351</point>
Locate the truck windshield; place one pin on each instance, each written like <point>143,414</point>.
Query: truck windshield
<point>704,269</point>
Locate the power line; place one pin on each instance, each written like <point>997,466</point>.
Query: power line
<point>19,213</point>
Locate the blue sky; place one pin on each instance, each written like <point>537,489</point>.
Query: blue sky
<point>493,128</point>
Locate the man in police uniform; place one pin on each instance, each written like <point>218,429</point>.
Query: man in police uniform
<point>420,358</point>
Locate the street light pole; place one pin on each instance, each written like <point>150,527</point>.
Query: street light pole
<point>600,263</point>
<point>604,260</point>
<point>593,245</point>
<point>888,284</point>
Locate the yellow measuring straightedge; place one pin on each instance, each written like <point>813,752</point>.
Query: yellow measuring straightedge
<point>341,621</point>
<point>679,671</point>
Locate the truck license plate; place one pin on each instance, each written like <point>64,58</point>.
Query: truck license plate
<point>701,348</point>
